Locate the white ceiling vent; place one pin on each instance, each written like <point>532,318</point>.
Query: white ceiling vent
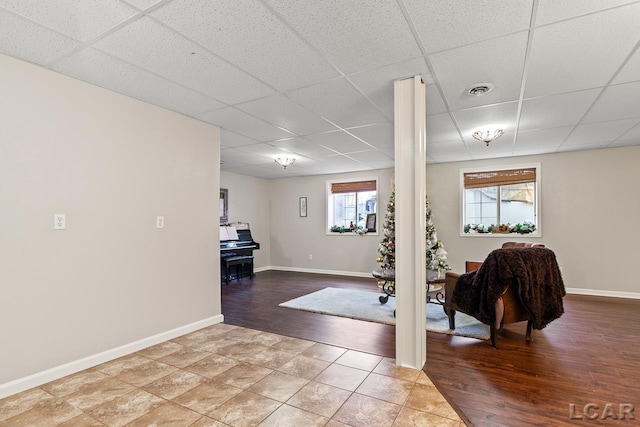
<point>480,89</point>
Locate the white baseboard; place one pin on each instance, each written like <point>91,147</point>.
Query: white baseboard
<point>39,378</point>
<point>577,291</point>
<point>317,271</point>
<point>603,293</point>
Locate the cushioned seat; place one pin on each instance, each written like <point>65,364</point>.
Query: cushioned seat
<point>519,282</point>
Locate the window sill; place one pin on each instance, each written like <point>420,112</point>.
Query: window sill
<point>509,235</point>
<point>351,233</point>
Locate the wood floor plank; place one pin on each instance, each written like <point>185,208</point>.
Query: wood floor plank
<point>589,355</point>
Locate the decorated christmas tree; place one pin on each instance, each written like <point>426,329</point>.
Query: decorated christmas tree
<point>387,247</point>
<point>436,255</point>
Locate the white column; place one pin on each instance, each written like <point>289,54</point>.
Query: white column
<point>410,215</point>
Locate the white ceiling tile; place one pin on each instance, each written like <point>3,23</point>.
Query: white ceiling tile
<point>486,155</point>
<point>317,167</point>
<point>443,24</point>
<point>599,132</point>
<point>111,73</point>
<point>142,4</point>
<point>497,61</point>
<point>95,17</point>
<point>228,164</point>
<point>302,146</point>
<point>440,127</point>
<point>631,70</point>
<point>266,172</point>
<point>244,156</point>
<point>32,42</point>
<point>281,111</point>
<point>556,110</point>
<point>339,102</point>
<point>562,54</point>
<point>378,136</point>
<point>354,35</point>
<point>389,152</point>
<point>230,139</point>
<point>153,47</point>
<point>445,149</point>
<point>250,36</point>
<point>500,116</point>
<point>616,102</point>
<point>339,141</point>
<point>582,147</point>
<point>266,151</point>
<point>377,84</point>
<point>532,151</point>
<point>267,71</point>
<point>244,124</point>
<point>542,138</point>
<point>435,104</point>
<point>633,133</point>
<point>625,142</point>
<point>337,162</point>
<point>372,157</point>
<point>553,10</point>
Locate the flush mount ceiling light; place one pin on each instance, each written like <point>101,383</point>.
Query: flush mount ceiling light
<point>488,135</point>
<point>285,161</point>
<point>480,89</point>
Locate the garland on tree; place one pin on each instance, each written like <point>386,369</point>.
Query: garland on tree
<point>436,255</point>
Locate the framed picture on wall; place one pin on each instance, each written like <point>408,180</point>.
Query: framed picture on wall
<point>303,206</point>
<point>224,205</point>
<point>371,222</point>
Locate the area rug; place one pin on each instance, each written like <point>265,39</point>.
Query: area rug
<point>364,305</point>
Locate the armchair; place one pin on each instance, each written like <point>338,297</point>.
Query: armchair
<point>520,281</point>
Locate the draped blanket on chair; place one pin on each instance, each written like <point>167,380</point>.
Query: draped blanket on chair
<point>536,270</point>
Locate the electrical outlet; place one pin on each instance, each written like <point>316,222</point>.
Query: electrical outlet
<point>310,257</point>
<point>59,222</point>
<point>160,222</point>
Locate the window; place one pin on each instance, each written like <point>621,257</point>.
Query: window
<point>348,205</point>
<point>501,201</point>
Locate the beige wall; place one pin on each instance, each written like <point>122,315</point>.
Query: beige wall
<point>294,238</point>
<point>589,211</point>
<point>587,204</point>
<point>249,202</point>
<point>111,164</point>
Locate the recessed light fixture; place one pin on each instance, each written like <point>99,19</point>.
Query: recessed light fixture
<point>480,89</point>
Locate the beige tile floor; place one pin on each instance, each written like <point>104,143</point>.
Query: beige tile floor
<point>225,375</point>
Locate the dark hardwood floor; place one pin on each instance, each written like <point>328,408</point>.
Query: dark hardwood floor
<point>254,304</point>
<point>590,356</point>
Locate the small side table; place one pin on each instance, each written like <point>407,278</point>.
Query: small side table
<point>388,278</point>
<point>435,286</point>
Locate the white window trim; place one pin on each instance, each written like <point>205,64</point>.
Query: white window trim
<point>328,194</point>
<point>537,219</point>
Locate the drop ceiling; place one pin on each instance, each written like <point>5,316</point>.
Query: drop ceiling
<point>314,79</point>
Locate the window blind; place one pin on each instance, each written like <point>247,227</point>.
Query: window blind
<point>501,177</point>
<point>353,187</point>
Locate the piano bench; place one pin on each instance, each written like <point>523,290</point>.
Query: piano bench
<point>239,262</point>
